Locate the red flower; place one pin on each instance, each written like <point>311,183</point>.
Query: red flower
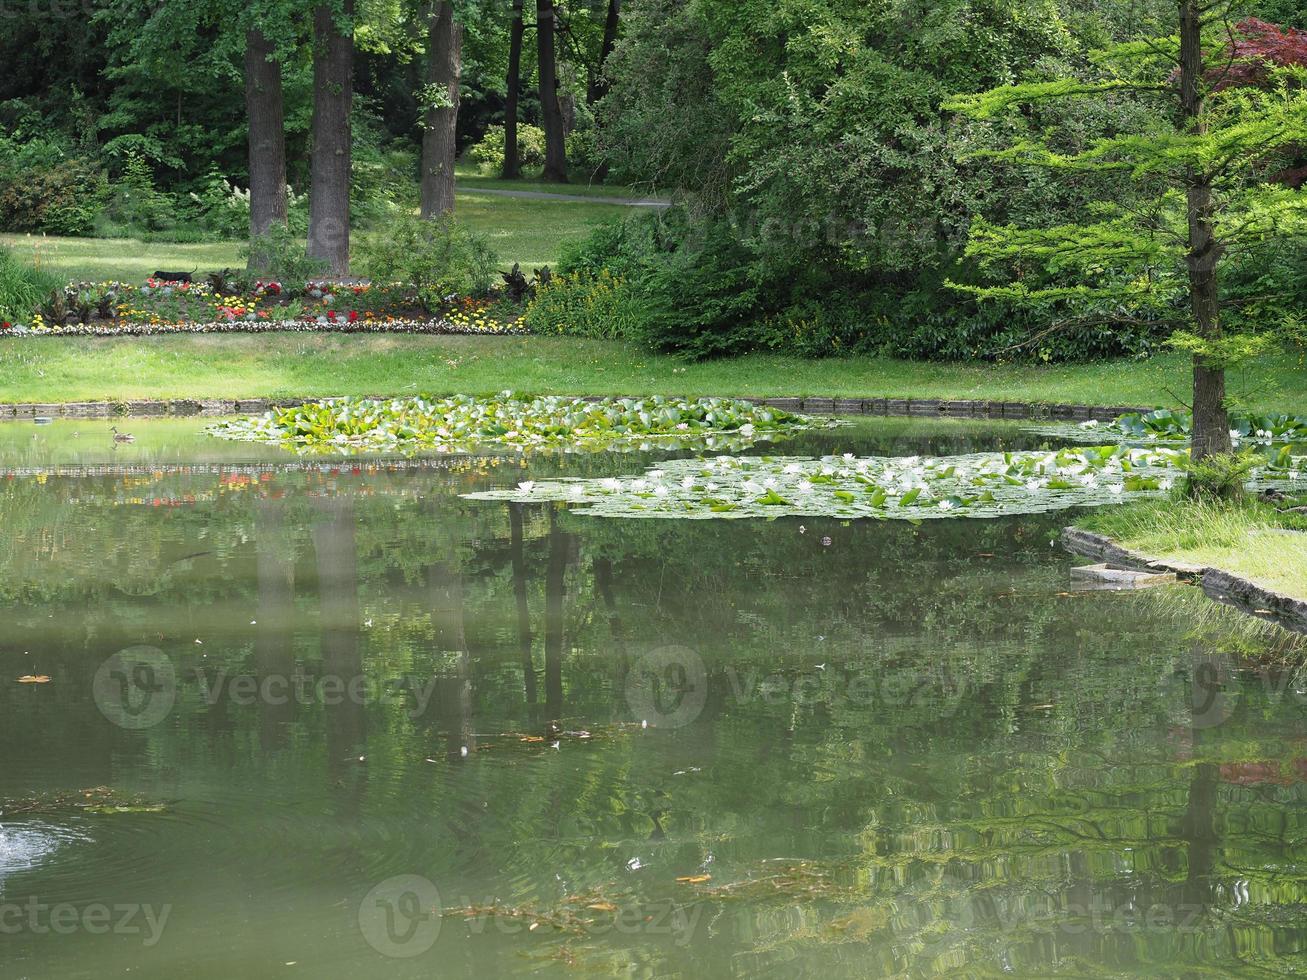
<point>353,316</point>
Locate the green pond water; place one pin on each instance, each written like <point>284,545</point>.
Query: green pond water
<point>328,718</point>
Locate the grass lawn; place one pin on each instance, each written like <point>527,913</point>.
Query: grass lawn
<point>524,231</point>
<point>470,178</point>
<point>57,369</point>
<point>1252,540</point>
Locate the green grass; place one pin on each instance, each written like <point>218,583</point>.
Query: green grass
<point>524,231</point>
<point>470,178</point>
<point>275,365</point>
<point>1250,539</point>
<point>118,258</point>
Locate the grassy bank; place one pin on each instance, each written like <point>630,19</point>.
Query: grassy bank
<point>1252,539</point>
<point>524,231</point>
<point>274,365</point>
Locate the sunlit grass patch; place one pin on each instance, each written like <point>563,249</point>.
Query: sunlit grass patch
<point>1250,539</point>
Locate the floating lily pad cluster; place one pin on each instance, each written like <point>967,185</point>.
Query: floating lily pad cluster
<point>465,424</point>
<point>911,488</point>
<point>1165,426</point>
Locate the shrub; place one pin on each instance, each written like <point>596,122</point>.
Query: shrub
<point>222,208</point>
<point>23,287</point>
<point>437,258</point>
<point>135,204</point>
<point>60,200</point>
<point>489,153</point>
<point>583,151</point>
<point>702,301</point>
<point>282,256</point>
<point>584,305</point>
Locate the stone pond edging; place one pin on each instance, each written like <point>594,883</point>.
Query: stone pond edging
<point>885,407</point>
<point>1217,584</point>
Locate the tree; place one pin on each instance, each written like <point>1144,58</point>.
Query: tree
<point>264,106</point>
<point>1203,194</point>
<point>333,96</point>
<point>551,113</point>
<point>598,80</point>
<point>512,162</point>
<point>440,115</point>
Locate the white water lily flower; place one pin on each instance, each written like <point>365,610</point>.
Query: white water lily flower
<point>946,505</point>
<point>1089,480</point>
<point>793,468</point>
<point>639,486</point>
<point>805,486</point>
<point>611,484</point>
<point>660,491</point>
<point>526,486</point>
<point>688,483</point>
<point>1116,489</point>
<point>1034,485</point>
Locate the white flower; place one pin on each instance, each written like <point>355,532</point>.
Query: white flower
<point>1033,485</point>
<point>946,505</point>
<point>688,483</point>
<point>805,486</point>
<point>793,468</point>
<point>526,486</point>
<point>660,491</point>
<point>611,484</point>
<point>1116,489</point>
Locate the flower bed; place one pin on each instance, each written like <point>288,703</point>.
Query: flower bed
<point>108,309</point>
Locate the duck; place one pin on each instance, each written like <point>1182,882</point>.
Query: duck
<point>121,436</point>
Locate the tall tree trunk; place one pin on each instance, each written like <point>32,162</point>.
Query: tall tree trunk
<point>1211,429</point>
<point>517,552</point>
<point>265,108</point>
<point>440,123</point>
<point>333,96</point>
<point>512,163</point>
<point>551,113</point>
<point>598,81</point>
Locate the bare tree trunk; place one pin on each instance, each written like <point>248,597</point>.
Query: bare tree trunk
<point>512,163</point>
<point>598,82</point>
<point>333,96</point>
<point>1211,429</point>
<point>551,113</point>
<point>440,124</point>
<point>265,108</point>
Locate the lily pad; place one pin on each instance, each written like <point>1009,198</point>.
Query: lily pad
<point>464,424</point>
<point>913,488</point>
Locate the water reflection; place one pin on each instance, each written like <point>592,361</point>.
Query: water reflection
<point>807,749</point>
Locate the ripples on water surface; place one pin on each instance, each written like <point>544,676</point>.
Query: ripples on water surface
<point>863,749</point>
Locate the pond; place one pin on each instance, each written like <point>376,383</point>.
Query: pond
<point>331,718</point>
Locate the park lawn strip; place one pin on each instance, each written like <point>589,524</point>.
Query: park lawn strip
<point>1250,539</point>
<point>531,233</point>
<point>286,365</point>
